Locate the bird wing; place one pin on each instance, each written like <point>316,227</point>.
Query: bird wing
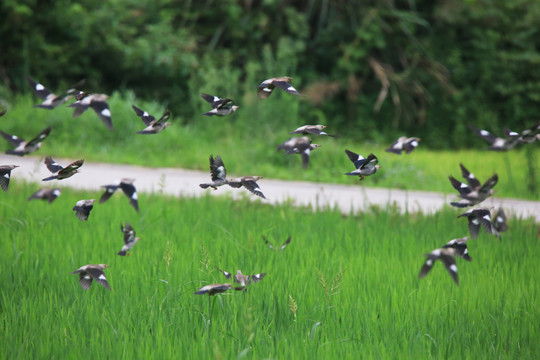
<point>489,184</point>
<point>13,139</point>
<point>145,117</point>
<point>472,181</point>
<point>99,276</point>
<point>215,101</point>
<point>52,165</point>
<point>5,174</point>
<point>225,273</point>
<point>109,191</point>
<point>284,85</point>
<point>131,192</point>
<point>102,109</point>
<point>257,277</point>
<point>459,186</point>
<point>450,265</point>
<point>287,242</point>
<point>305,153</point>
<point>267,242</point>
<point>166,115</point>
<point>41,91</point>
<point>85,280</point>
<point>370,162</point>
<point>357,160</point>
<point>42,135</point>
<point>217,168</point>
<point>253,187</point>
<point>484,134</point>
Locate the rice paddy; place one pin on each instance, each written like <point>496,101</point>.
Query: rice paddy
<point>345,287</point>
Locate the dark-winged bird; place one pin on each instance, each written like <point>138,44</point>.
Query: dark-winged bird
<point>311,129</point>
<point>153,126</point>
<point>479,217</point>
<point>127,188</point>
<point>82,209</point>
<point>473,192</point>
<point>282,82</point>
<point>129,238</point>
<point>98,103</point>
<point>88,273</point>
<point>364,166</point>
<point>220,107</point>
<point>499,221</point>
<point>243,280</point>
<point>447,254</point>
<point>23,147</point>
<point>46,194</point>
<point>50,100</point>
<point>62,172</point>
<point>497,143</point>
<point>403,143</point>
<point>301,145</point>
<point>218,173</point>
<point>282,247</point>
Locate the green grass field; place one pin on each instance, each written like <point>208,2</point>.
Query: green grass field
<point>247,142</point>
<point>346,286</point>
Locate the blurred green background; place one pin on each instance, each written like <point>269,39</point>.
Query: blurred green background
<point>372,69</point>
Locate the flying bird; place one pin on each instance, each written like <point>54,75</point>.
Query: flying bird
<point>98,103</point>
<point>282,247</point>
<point>87,273</point>
<point>23,147</point>
<point>268,85</point>
<point>218,173</point>
<point>479,217</point>
<point>220,107</point>
<point>497,143</point>
<point>301,145</point>
<point>50,100</point>
<point>46,194</point>
<point>129,238</point>
<point>447,254</point>
<point>473,192</point>
<point>153,126</point>
<point>82,209</point>
<point>499,221</point>
<point>243,280</point>
<point>404,143</point>
<point>311,129</point>
<point>364,166</point>
<point>5,175</point>
<point>249,182</point>
<point>214,289</point>
<point>62,172</point>
<point>526,136</point>
<point>127,188</point>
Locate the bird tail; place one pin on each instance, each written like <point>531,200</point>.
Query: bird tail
<point>11,152</point>
<point>50,178</point>
<point>459,204</point>
<point>122,253</point>
<point>204,186</point>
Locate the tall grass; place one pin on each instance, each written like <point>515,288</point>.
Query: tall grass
<point>352,280</point>
<point>247,142</point>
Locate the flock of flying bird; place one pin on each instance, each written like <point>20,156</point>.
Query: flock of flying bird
<point>472,192</point>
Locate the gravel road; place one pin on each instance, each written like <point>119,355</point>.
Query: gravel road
<point>180,182</point>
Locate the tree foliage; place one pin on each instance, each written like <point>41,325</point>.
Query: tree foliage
<point>374,68</point>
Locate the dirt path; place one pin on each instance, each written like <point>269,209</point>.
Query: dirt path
<point>179,182</point>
